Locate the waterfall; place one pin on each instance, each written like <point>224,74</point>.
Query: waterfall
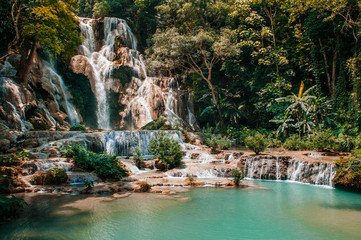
<point>18,117</point>
<point>60,91</point>
<point>294,170</point>
<point>118,27</point>
<point>146,98</point>
<point>122,143</point>
<point>101,64</point>
<point>308,172</point>
<point>11,95</point>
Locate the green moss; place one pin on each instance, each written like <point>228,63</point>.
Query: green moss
<point>158,124</point>
<point>78,127</point>
<point>56,176</point>
<point>348,173</point>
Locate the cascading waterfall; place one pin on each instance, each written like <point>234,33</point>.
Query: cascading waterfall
<point>101,64</point>
<point>294,170</point>
<point>146,98</point>
<point>60,92</point>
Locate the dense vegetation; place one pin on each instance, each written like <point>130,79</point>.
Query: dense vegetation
<point>349,172</point>
<point>167,150</point>
<point>282,67</point>
<point>10,207</point>
<point>106,166</point>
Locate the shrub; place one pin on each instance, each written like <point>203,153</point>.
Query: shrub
<point>106,166</point>
<point>167,150</point>
<point>357,142</point>
<point>224,143</point>
<point>10,207</point>
<point>323,140</point>
<point>293,142</point>
<point>144,187</point>
<point>273,142</point>
<point>212,142</point>
<point>89,185</point>
<point>158,124</point>
<point>137,156</point>
<point>15,160</point>
<point>348,173</point>
<point>345,143</point>
<point>237,175</point>
<point>56,176</point>
<point>52,176</point>
<point>217,142</point>
<point>256,143</point>
<point>78,127</point>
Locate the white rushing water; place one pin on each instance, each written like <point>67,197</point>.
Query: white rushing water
<point>146,98</point>
<point>60,92</point>
<point>123,143</point>
<point>9,88</point>
<point>297,171</point>
<point>101,63</point>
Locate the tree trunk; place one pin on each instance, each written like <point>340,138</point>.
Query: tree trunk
<point>329,84</point>
<point>27,58</point>
<point>334,70</point>
<point>334,74</point>
<point>215,101</point>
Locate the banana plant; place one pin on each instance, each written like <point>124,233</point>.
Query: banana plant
<point>299,109</point>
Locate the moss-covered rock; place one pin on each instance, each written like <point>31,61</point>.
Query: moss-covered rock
<point>52,176</point>
<point>348,173</point>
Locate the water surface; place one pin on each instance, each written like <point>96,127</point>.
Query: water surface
<point>283,211</point>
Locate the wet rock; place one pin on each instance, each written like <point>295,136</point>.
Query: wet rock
<point>29,168</point>
<point>148,164</point>
<point>4,145</point>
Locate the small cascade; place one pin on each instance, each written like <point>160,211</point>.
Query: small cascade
<point>80,178</point>
<point>60,92</point>
<point>11,95</point>
<point>206,158</point>
<point>131,167</point>
<point>277,168</point>
<point>309,172</point>
<point>200,172</point>
<point>46,164</point>
<point>49,117</point>
<point>18,117</point>
<point>122,143</point>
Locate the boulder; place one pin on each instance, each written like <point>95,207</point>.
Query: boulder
<point>4,145</point>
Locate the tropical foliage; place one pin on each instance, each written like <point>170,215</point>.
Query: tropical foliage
<point>349,172</point>
<point>167,150</point>
<point>106,166</point>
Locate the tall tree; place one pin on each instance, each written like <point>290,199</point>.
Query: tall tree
<point>195,42</point>
<point>50,24</point>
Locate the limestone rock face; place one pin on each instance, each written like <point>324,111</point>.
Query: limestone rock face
<point>126,96</point>
<point>41,104</point>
